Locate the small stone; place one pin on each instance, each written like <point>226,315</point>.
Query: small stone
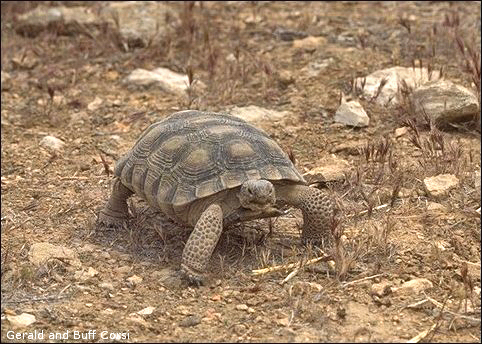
<point>381,289</point>
<point>104,254</point>
<point>42,252</point>
<point>289,35</point>
<point>477,181</point>
<point>83,275</point>
<point>401,131</point>
<point>106,285</point>
<point>181,309</point>
<point>5,82</point>
<point>302,287</point>
<point>22,320</point>
<point>256,114</point>
<point>134,280</point>
<point>333,169</point>
<point>251,310</point>
<point>146,311</point>
<point>231,58</point>
<point>95,104</point>
<point>216,297</point>
<point>242,307</point>
<point>88,305</point>
<point>123,269</point>
<point>309,44</point>
<point>414,286</point>
<point>438,186</point>
<point>87,248</point>
<point>165,79</point>
<point>352,113</point>
<point>190,321</point>
<point>108,311</point>
<point>433,206</point>
<point>52,143</point>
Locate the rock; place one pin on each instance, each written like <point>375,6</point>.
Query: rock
<point>190,321</point>
<point>216,297</point>
<point>333,169</point>
<point>445,102</point>
<point>87,248</point>
<point>255,114</point>
<point>477,181</point>
<point>134,280</point>
<point>27,60</point>
<point>168,277</point>
<point>123,269</point>
<point>352,113</point>
<point>349,147</point>
<point>413,287</point>
<point>52,143</point>
<point>313,68</point>
<point>139,22</point>
<point>438,186</point>
<point>85,275</point>
<point>6,83</point>
<point>42,252</point>
<point>106,285</point>
<point>302,287</point>
<point>165,79</point>
<point>95,104</point>
<point>22,320</point>
<point>433,206</point>
<point>309,44</point>
<point>289,35</point>
<point>413,77</point>
<point>401,131</point>
<point>381,289</point>
<point>67,19</point>
<point>242,307</point>
<point>146,311</point>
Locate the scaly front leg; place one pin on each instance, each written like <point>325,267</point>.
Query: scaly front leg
<point>201,243</point>
<point>317,208</point>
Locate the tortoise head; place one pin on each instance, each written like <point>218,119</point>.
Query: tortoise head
<point>257,195</point>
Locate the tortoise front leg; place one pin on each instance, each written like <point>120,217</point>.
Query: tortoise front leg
<point>115,211</point>
<point>201,243</point>
<point>317,208</point>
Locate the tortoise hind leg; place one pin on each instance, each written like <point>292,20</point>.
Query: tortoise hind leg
<point>201,243</point>
<point>115,211</point>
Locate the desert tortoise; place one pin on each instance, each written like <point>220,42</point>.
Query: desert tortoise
<point>206,170</point>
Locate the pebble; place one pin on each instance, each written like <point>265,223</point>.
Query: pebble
<point>438,186</point>
<point>53,143</point>
<point>216,297</point>
<point>242,307</point>
<point>190,321</point>
<point>41,252</point>
<point>414,286</point>
<point>106,285</point>
<point>134,280</point>
<point>381,289</point>
<point>352,113</point>
<point>22,320</point>
<point>401,131</point>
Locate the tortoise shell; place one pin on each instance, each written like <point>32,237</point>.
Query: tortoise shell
<point>192,155</point>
